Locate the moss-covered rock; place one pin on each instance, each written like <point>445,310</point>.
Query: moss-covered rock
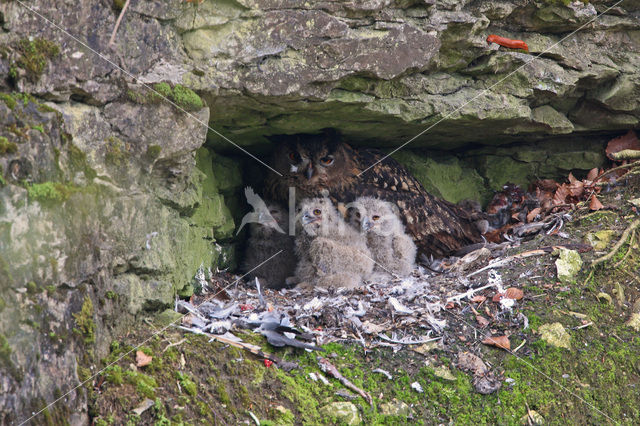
<point>446,177</point>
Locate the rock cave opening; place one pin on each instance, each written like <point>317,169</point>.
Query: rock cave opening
<point>473,171</point>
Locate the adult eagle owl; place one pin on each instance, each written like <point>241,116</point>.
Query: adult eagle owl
<point>319,164</point>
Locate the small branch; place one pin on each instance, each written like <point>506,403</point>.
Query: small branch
<point>519,346</point>
<point>115,29</point>
<point>170,345</point>
<point>626,154</point>
<point>619,244</point>
<point>624,166</point>
<point>633,237</point>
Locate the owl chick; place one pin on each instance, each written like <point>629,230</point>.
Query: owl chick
<point>392,249</point>
<point>330,252</point>
<point>266,241</point>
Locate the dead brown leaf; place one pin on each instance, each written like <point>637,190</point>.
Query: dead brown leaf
<point>499,341</point>
<point>595,204</point>
<point>497,297</point>
<point>593,174</point>
<point>482,321</point>
<point>560,197</point>
<point>478,298</point>
<point>470,362</point>
<point>576,189</point>
<point>142,359</point>
<point>533,213</point>
<point>514,293</point>
<point>627,141</point>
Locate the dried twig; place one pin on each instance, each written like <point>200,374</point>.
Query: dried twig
<point>625,236</point>
<point>633,237</point>
<point>519,346</point>
<point>626,154</point>
<point>331,370</point>
<point>115,29</point>
<point>170,345</point>
<point>624,166</point>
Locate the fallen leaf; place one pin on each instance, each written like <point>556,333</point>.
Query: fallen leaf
<point>576,189</point>
<point>514,293</point>
<point>497,297</point>
<point>499,341</point>
<point>142,359</point>
<point>533,213</point>
<point>572,178</point>
<point>593,173</point>
<point>560,197</point>
<point>482,321</point>
<point>627,141</point>
<point>478,299</point>
<point>450,305</point>
<point>470,362</point>
<point>595,204</point>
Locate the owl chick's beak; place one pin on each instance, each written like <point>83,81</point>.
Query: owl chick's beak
<point>309,171</point>
<point>366,224</point>
<point>307,219</point>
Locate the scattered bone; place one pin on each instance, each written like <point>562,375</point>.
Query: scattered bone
<point>385,372</point>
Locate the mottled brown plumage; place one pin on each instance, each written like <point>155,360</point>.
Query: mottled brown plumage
<point>317,164</point>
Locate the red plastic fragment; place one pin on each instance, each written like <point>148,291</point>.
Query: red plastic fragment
<point>507,42</point>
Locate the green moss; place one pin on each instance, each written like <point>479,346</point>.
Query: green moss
<point>116,152</point>
<point>114,375</point>
<point>5,359</point>
<point>145,385</point>
<point>7,147</point>
<point>32,288</point>
<point>153,151</point>
<point>110,295</point>
<point>8,100</point>
<point>163,89</point>
<point>38,128</point>
<point>186,98</point>
<point>86,327</point>
<point>49,192</point>
<point>187,384</point>
<point>223,396</point>
<point>5,272</point>
<point>182,96</point>
<point>33,56</point>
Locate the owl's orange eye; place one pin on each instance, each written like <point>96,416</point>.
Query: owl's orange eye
<point>327,161</point>
<point>292,156</point>
<point>376,217</point>
<point>317,212</point>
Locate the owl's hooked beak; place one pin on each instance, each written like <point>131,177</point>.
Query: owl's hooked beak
<point>309,171</point>
<point>307,219</point>
<point>366,224</point>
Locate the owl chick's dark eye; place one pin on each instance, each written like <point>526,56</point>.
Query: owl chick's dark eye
<point>317,212</point>
<point>358,215</point>
<point>327,161</point>
<point>376,217</point>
